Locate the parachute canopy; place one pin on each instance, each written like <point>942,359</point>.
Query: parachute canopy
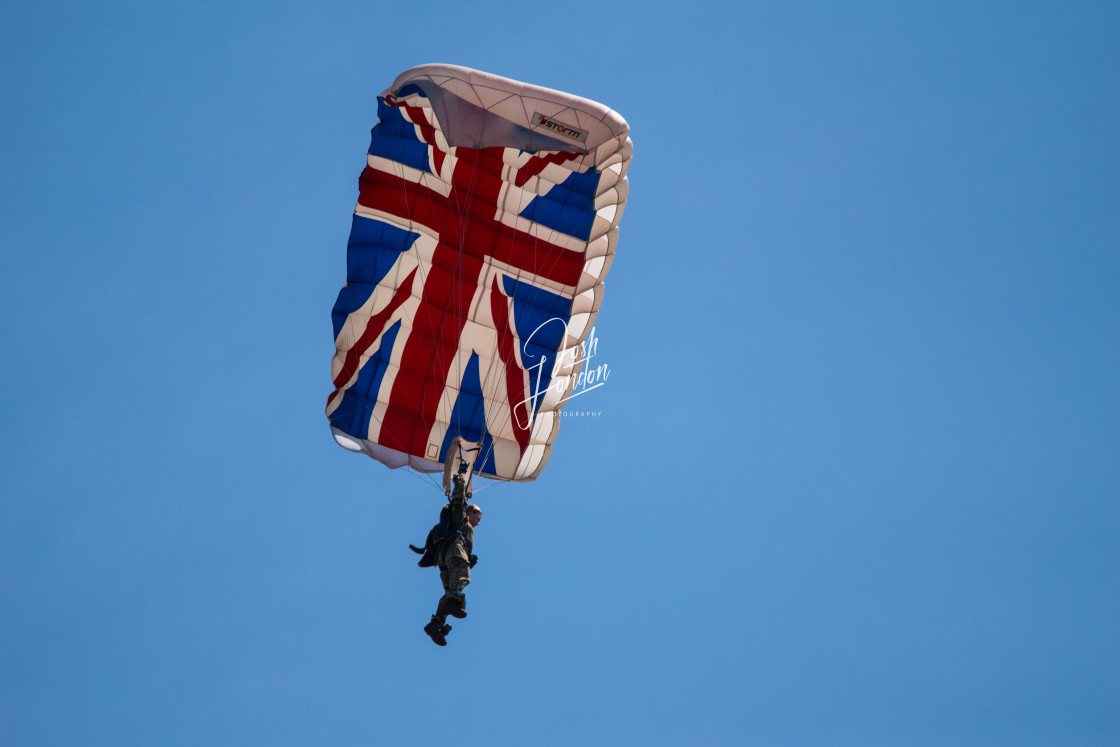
<point>487,218</point>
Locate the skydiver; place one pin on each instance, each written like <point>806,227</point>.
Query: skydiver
<point>449,547</point>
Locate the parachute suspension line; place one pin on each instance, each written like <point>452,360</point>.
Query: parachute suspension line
<point>425,476</point>
<point>486,451</point>
<point>495,483</point>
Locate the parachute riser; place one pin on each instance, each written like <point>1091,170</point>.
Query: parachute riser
<point>458,468</point>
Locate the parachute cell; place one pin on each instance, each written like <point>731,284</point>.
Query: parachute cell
<point>487,218</point>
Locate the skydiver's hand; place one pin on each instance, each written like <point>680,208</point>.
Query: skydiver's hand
<point>474,561</point>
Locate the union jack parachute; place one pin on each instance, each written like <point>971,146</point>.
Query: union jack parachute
<point>487,218</point>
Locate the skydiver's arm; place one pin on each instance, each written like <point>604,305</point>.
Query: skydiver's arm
<point>458,501</point>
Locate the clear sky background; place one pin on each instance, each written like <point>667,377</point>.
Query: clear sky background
<point>855,477</point>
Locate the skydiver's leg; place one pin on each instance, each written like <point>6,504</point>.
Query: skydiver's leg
<point>437,629</point>
<point>455,578</point>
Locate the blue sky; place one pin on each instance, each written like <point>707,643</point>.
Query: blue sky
<point>856,476</point>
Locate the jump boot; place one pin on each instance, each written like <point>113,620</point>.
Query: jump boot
<point>437,631</point>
